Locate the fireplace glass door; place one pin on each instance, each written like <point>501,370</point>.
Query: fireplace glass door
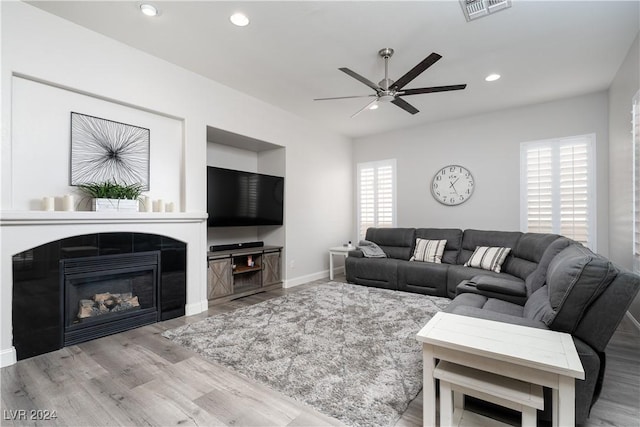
<point>108,294</point>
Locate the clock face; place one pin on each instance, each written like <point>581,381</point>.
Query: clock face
<point>452,185</point>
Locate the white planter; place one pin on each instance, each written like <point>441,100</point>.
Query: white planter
<point>114,205</point>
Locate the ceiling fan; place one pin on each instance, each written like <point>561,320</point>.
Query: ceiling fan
<point>392,91</point>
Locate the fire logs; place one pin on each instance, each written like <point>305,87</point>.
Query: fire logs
<point>105,303</point>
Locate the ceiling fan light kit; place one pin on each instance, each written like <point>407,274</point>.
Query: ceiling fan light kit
<point>388,90</point>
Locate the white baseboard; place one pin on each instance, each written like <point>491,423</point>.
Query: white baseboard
<point>8,357</point>
<point>297,281</point>
<point>633,320</point>
<point>196,308</point>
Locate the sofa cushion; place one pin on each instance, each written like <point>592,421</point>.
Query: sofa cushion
<point>453,236</point>
<point>575,278</point>
<point>488,258</point>
<point>527,253</point>
<point>395,242</point>
<point>428,250</point>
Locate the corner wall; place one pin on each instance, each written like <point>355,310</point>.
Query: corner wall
<point>625,85</point>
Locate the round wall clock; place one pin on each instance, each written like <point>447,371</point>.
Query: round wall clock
<point>452,185</point>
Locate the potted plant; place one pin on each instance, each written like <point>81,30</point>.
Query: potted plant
<point>111,196</point>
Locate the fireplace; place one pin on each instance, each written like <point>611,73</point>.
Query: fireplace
<point>118,281</point>
<point>107,294</point>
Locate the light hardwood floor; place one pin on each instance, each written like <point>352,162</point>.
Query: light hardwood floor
<point>140,378</point>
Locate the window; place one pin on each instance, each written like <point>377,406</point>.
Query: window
<point>635,113</point>
<point>557,188</point>
<point>376,194</point>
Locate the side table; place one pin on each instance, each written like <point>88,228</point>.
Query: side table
<point>536,356</point>
<point>337,250</point>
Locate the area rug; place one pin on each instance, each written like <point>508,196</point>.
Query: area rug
<point>349,351</point>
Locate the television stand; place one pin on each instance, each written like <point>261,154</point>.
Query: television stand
<point>237,273</point>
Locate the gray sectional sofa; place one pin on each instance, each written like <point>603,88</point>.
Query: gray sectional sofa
<point>547,281</point>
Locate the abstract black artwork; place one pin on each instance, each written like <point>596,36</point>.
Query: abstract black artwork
<point>103,150</point>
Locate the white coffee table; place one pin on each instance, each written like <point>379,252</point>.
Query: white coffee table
<point>537,356</point>
<point>337,250</point>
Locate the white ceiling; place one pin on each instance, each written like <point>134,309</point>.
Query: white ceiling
<point>291,51</point>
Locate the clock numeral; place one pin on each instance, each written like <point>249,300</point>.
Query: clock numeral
<point>435,185</point>
<point>438,178</point>
<point>452,169</point>
<point>452,200</point>
<point>437,193</point>
<point>462,197</point>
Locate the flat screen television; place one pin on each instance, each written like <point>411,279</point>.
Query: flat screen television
<point>236,198</point>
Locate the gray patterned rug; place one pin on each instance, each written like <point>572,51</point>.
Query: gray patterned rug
<point>349,351</point>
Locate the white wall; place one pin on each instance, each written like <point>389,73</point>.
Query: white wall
<point>625,85</point>
<point>41,144</point>
<point>489,146</point>
<point>318,162</point>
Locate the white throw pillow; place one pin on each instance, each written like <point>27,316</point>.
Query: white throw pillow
<point>488,258</point>
<point>429,250</point>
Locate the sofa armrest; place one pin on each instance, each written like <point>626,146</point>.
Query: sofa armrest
<point>499,285</point>
<point>356,253</point>
<point>498,317</point>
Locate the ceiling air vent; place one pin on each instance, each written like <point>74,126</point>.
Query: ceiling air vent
<point>474,9</point>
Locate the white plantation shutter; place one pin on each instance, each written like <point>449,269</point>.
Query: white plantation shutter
<point>539,190</point>
<point>635,112</point>
<point>376,195</point>
<point>558,188</point>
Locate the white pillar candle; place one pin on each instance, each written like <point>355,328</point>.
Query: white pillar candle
<point>148,204</point>
<point>171,207</point>
<point>68,203</point>
<point>160,205</point>
<point>48,203</point>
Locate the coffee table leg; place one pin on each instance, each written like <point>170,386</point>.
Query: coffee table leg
<point>429,387</point>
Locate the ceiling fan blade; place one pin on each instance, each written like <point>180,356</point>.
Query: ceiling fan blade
<point>361,79</point>
<point>405,105</point>
<point>344,97</point>
<point>415,71</point>
<point>431,89</point>
<point>365,107</point>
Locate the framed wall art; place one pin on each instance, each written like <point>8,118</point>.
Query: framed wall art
<point>105,150</point>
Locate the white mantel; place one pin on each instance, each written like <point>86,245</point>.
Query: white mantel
<point>23,230</point>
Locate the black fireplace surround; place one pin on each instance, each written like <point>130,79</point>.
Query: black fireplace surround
<point>40,323</point>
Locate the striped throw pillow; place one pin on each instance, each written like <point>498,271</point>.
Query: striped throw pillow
<point>429,250</point>
<point>488,258</point>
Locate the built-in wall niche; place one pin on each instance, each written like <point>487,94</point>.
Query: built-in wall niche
<point>41,143</point>
<point>231,150</point>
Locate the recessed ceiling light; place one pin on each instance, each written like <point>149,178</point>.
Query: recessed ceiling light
<point>149,9</point>
<point>239,19</point>
<point>492,77</point>
<point>373,107</point>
